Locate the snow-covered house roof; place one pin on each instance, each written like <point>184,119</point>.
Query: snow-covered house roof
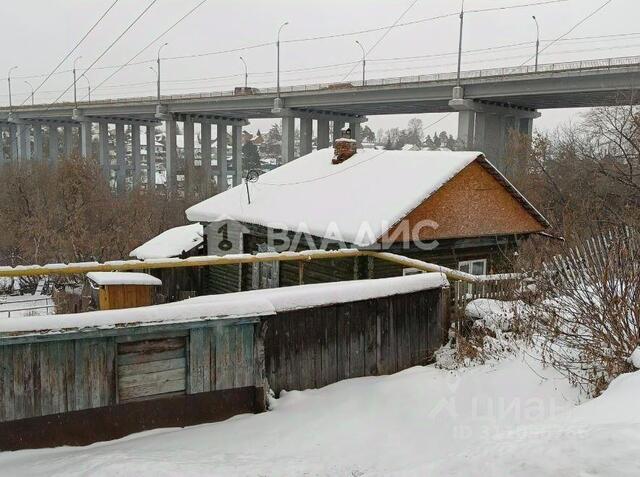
<point>123,278</point>
<point>170,243</point>
<point>312,195</point>
<point>410,147</point>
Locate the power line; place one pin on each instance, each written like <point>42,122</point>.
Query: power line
<point>571,29</point>
<point>111,45</point>
<point>150,43</point>
<point>384,35</point>
<point>75,47</point>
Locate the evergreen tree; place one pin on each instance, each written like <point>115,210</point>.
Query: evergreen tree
<point>250,156</point>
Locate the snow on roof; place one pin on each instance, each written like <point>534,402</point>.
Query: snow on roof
<point>226,306</point>
<point>170,243</point>
<point>123,278</point>
<point>373,188</point>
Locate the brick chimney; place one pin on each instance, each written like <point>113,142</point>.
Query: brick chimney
<point>344,147</point>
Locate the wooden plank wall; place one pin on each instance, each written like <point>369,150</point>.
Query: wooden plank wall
<point>315,347</point>
<point>58,376</point>
<point>39,379</point>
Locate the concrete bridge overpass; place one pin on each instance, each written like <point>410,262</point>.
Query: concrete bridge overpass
<point>489,102</point>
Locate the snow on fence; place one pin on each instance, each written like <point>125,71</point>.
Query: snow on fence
<point>86,377</point>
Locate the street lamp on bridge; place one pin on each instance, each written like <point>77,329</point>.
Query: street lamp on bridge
<point>278,59</point>
<point>246,72</point>
<point>364,61</point>
<point>537,41</point>
<point>158,71</point>
<point>75,95</point>
<point>88,86</point>
<point>30,86</point>
<point>9,84</point>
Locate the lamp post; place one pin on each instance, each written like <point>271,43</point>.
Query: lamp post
<point>537,41</point>
<point>364,61</point>
<point>278,59</point>
<point>9,84</point>
<point>88,86</point>
<point>460,44</point>
<point>246,72</point>
<point>158,65</point>
<point>30,86</point>
<point>75,95</point>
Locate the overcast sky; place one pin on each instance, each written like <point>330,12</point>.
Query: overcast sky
<point>39,33</point>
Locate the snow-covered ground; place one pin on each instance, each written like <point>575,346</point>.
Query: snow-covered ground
<point>512,417</point>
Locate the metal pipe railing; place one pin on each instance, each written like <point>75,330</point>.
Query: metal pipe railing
<point>237,259</point>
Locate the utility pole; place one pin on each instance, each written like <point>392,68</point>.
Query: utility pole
<point>537,41</point>
<point>9,84</point>
<point>246,72</point>
<point>158,65</point>
<point>30,86</point>
<point>75,95</point>
<point>364,62</point>
<point>460,44</point>
<point>278,57</point>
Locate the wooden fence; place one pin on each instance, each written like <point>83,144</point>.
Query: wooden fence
<point>79,388</point>
<point>82,385</point>
<point>312,348</point>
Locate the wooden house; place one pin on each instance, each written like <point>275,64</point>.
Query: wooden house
<point>116,290</point>
<point>451,208</point>
<point>177,242</point>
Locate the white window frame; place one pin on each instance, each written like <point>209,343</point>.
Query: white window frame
<point>470,263</point>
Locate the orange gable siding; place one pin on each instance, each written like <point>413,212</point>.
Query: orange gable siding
<point>472,204</point>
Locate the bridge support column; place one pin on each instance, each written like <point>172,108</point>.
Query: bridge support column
<point>103,149</point>
<point>189,155</point>
<point>221,154</point>
<point>525,126</point>
<point>13,140</point>
<point>288,138</point>
<point>171,160</point>
<point>489,125</point>
<point>151,157</point>
<point>337,129</point>
<point>67,140</point>
<point>121,159</point>
<point>322,138</point>
<point>466,126</point>
<point>236,144</point>
<point>356,132</point>
<point>86,138</point>
<point>135,154</point>
<point>54,143</point>
<point>306,136</point>
<point>205,154</point>
<point>37,142</point>
<point>24,142</point>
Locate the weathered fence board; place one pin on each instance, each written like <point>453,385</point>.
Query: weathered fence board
<point>314,347</point>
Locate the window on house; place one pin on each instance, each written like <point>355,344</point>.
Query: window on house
<point>474,267</point>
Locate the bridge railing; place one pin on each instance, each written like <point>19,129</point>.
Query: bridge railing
<point>582,65</point>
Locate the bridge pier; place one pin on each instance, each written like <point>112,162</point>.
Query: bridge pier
<point>288,139</point>
<point>2,154</point>
<point>306,136</point>
<point>136,156</point>
<point>151,156</point>
<point>206,158</point>
<point>221,156</point>
<point>121,159</point>
<point>54,142</point>
<point>236,144</point>
<point>103,149</point>
<point>171,157</point>
<point>189,155</point>
<point>37,142</point>
<point>485,126</point>
<point>323,140</point>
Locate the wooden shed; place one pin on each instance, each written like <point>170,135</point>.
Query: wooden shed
<point>115,290</point>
